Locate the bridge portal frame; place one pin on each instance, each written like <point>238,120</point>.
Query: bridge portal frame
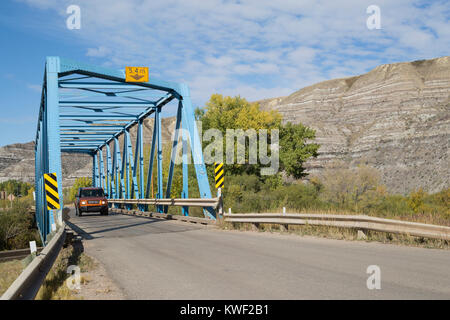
<point>85,109</point>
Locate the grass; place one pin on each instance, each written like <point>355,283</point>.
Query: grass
<point>343,234</point>
<point>54,286</point>
<point>9,271</point>
<point>347,191</point>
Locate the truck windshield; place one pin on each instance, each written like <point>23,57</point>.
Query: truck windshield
<point>92,193</point>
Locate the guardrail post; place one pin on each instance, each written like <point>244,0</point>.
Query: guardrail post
<point>361,235</point>
<point>220,206</point>
<point>255,226</point>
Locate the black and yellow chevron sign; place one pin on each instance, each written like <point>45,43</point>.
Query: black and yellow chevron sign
<point>219,175</point>
<point>51,191</point>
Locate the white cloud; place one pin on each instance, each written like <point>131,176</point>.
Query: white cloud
<point>258,48</point>
<point>101,51</point>
<point>35,87</point>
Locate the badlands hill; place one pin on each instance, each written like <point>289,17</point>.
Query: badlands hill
<point>17,160</point>
<point>395,118</point>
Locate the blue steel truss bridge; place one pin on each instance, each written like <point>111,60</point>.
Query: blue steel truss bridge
<point>85,109</point>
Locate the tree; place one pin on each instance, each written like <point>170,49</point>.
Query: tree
<point>199,113</point>
<point>16,226</point>
<point>237,113</point>
<point>15,187</point>
<point>294,149</point>
<point>416,200</point>
<point>79,183</point>
<point>347,187</point>
<point>224,113</point>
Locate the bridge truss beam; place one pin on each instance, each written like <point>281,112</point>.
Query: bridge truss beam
<point>90,109</point>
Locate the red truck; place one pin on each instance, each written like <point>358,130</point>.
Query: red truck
<point>91,199</point>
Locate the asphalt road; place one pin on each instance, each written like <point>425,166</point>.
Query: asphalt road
<point>159,259</point>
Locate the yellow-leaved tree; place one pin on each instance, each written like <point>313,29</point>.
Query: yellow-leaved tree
<point>224,113</point>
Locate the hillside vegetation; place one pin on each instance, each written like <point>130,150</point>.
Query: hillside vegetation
<point>336,189</point>
<point>17,225</point>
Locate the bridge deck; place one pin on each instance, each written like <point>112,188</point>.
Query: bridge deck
<point>158,259</point>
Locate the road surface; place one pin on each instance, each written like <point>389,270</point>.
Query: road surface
<point>159,259</point>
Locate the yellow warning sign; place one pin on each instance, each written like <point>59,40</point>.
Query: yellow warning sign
<point>136,74</point>
<point>218,174</point>
<point>51,191</point>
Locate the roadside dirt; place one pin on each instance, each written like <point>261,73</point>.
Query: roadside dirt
<point>97,285</point>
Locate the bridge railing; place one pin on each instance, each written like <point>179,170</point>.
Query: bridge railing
<point>360,222</point>
<point>180,202</point>
<point>203,221</point>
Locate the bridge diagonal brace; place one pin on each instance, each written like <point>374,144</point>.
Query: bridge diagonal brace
<point>119,181</point>
<point>151,162</point>
<point>109,173</point>
<point>185,192</point>
<point>173,154</point>
<point>196,149</point>
<point>102,170</point>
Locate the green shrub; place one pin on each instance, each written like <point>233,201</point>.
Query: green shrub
<point>15,187</point>
<point>79,183</point>
<point>343,190</point>
<point>416,201</point>
<point>17,226</point>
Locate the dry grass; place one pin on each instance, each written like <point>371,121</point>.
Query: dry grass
<point>343,234</point>
<point>54,286</point>
<point>9,271</point>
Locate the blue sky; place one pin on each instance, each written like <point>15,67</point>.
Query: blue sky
<point>255,48</point>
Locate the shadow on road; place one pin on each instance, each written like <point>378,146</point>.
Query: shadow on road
<point>88,235</point>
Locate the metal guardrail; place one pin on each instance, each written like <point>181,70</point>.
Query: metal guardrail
<point>361,222</point>
<point>27,285</point>
<point>203,221</point>
<point>186,202</point>
<point>16,254</point>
